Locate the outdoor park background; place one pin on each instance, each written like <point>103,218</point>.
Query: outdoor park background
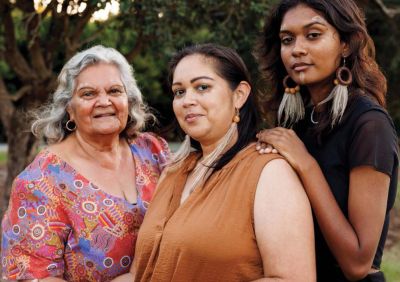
<point>38,36</point>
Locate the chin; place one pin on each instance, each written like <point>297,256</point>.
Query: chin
<point>108,131</point>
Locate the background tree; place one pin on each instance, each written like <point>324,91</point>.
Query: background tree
<point>35,42</point>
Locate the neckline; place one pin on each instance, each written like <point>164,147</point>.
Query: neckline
<point>47,152</point>
<point>190,164</point>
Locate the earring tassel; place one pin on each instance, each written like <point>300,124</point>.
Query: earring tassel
<point>292,107</point>
<point>203,169</point>
<point>180,154</point>
<point>340,95</point>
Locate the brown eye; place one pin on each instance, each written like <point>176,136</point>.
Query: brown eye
<point>88,94</point>
<point>313,35</point>
<point>202,87</point>
<point>178,93</point>
<point>286,40</point>
<point>115,91</point>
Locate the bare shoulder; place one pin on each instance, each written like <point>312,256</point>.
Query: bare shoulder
<point>278,180</point>
<point>279,169</point>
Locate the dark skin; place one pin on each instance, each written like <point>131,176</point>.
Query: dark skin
<point>353,240</point>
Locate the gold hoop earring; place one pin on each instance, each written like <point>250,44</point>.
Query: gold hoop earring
<point>68,125</point>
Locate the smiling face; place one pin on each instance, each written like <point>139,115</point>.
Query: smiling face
<point>99,105</point>
<point>204,104</point>
<point>311,49</point>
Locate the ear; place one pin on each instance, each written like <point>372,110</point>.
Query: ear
<point>241,94</point>
<point>345,49</point>
<point>70,111</point>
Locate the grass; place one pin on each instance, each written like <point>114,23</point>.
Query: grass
<point>391,263</point>
<point>3,158</point>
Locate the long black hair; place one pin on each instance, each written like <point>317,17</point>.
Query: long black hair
<point>230,66</point>
<point>347,18</point>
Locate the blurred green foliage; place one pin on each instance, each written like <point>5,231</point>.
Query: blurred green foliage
<point>148,32</point>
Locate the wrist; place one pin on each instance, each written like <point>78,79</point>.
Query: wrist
<point>308,164</point>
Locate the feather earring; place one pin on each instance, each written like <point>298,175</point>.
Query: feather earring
<point>340,92</point>
<point>291,106</point>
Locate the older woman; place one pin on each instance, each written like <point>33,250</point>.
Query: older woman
<point>320,62</point>
<point>75,211</point>
<point>223,212</point>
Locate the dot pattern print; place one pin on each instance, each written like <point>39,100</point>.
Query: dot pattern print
<point>60,224</point>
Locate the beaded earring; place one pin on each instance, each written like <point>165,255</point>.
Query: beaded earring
<point>236,118</point>
<point>291,105</point>
<point>340,92</point>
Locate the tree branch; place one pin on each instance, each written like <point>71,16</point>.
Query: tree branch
<point>6,107</point>
<point>389,12</point>
<point>140,42</point>
<point>95,34</point>
<point>33,21</point>
<point>55,32</point>
<point>12,54</point>
<point>21,93</point>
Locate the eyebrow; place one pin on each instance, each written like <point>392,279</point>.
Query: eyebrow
<point>194,79</point>
<point>306,26</point>
<point>93,87</point>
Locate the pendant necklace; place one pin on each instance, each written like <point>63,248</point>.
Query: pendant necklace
<point>312,116</point>
<point>330,97</point>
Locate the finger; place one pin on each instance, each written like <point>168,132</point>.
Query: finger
<point>268,149</point>
<point>274,151</point>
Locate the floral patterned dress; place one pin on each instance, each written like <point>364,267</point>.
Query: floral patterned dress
<point>58,223</point>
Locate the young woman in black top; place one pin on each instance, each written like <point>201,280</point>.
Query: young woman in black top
<point>329,98</point>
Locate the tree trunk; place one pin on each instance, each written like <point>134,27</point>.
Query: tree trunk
<point>22,147</point>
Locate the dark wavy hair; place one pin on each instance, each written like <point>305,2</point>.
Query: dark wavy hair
<point>230,66</point>
<point>346,17</point>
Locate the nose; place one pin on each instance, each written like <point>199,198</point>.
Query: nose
<point>299,48</point>
<point>189,99</point>
<point>103,99</point>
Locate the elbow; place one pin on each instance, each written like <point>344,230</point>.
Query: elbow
<point>356,272</point>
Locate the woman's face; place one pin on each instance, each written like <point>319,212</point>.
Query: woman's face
<point>203,101</point>
<point>311,49</point>
<point>99,105</point>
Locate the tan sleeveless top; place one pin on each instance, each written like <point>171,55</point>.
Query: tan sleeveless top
<point>210,236</point>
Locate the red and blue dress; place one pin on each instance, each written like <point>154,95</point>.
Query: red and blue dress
<point>58,223</point>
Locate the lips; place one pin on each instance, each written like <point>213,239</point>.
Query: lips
<point>300,66</point>
<point>104,115</point>
<point>192,117</point>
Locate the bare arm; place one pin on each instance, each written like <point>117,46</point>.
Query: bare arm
<point>283,225</point>
<point>353,240</point>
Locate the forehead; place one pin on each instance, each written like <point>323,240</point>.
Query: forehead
<point>300,16</point>
<point>99,73</point>
<point>193,66</point>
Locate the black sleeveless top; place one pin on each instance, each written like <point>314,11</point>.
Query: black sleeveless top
<point>365,136</point>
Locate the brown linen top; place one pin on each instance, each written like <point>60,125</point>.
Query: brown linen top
<point>210,237</point>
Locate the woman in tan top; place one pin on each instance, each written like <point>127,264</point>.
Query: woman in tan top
<point>223,212</point>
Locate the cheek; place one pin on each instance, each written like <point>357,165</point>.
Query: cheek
<point>176,107</point>
<point>329,52</point>
<point>285,56</point>
<point>123,106</point>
